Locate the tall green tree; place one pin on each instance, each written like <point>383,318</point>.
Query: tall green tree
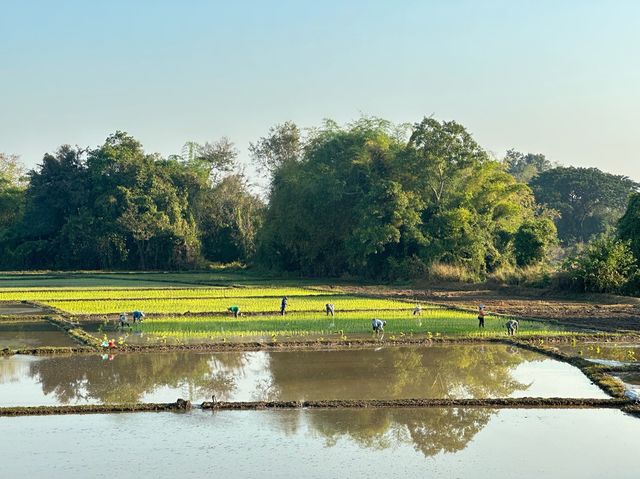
<point>365,200</point>
<point>588,200</point>
<point>526,166</point>
<point>629,225</point>
<point>12,199</point>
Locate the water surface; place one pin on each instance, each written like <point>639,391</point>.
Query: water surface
<point>479,443</point>
<point>32,334</point>
<point>444,371</point>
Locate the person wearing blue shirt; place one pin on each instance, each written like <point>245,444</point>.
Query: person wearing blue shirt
<point>378,325</point>
<point>283,306</point>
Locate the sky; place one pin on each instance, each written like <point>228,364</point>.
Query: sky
<point>559,77</point>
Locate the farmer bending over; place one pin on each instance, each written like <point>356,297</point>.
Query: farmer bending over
<point>512,327</point>
<point>122,320</point>
<point>417,311</point>
<point>137,316</point>
<point>481,316</point>
<point>283,306</point>
<point>378,326</point>
<point>329,309</point>
<point>235,310</point>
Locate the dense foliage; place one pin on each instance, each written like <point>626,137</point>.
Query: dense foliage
<point>119,207</point>
<point>606,265</point>
<point>589,201</point>
<point>629,224</point>
<point>368,199</point>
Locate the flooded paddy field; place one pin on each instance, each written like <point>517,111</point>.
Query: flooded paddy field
<point>32,334</point>
<point>438,371</point>
<point>442,442</point>
<point>606,353</point>
<point>16,308</point>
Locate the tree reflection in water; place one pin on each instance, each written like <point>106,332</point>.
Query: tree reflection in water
<point>479,371</point>
<point>445,371</point>
<point>430,430</point>
<point>452,371</point>
<point>128,377</point>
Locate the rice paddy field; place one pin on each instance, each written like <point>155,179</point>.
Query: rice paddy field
<point>193,308</point>
<point>189,308</point>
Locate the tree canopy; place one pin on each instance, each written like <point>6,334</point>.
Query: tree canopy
<point>117,206</point>
<point>364,199</point>
<point>589,201</point>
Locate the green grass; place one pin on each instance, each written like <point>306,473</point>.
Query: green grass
<point>212,305</point>
<point>437,322</point>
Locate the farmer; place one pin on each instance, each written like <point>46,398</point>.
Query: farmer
<point>283,306</point>
<point>481,316</point>
<point>417,311</point>
<point>122,320</point>
<point>235,310</point>
<point>512,327</point>
<point>329,309</point>
<point>378,326</point>
<point>137,316</point>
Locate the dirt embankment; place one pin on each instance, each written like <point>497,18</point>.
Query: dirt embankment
<point>591,311</point>
<point>183,405</point>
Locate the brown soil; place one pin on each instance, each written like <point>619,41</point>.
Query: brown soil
<point>422,403</point>
<point>182,405</point>
<point>179,405</point>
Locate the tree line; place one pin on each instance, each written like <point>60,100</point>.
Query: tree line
<point>369,198</point>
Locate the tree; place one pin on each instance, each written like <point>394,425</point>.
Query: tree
<point>12,199</point>
<point>137,204</point>
<point>588,200</point>
<point>605,265</point>
<point>218,157</point>
<point>442,149</point>
<point>363,200</point>
<point>229,218</point>
<point>629,225</point>
<point>525,167</point>
<point>11,190</point>
<point>283,144</point>
<point>533,240</point>
<point>473,206</point>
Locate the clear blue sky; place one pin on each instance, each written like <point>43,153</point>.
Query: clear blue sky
<point>556,77</point>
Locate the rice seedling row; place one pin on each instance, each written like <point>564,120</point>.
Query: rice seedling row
<point>437,323</point>
<point>246,305</point>
<point>143,294</point>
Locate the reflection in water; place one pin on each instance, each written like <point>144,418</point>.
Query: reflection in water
<point>430,431</point>
<point>621,352</point>
<point>394,373</point>
<point>401,443</point>
<point>128,377</point>
<point>453,371</point>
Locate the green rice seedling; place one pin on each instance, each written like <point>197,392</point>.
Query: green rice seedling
<point>167,293</point>
<point>247,305</point>
<point>398,324</point>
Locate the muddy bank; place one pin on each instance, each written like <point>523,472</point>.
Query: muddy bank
<point>514,403</point>
<point>47,350</point>
<point>182,405</point>
<point>179,405</point>
<point>92,344</point>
